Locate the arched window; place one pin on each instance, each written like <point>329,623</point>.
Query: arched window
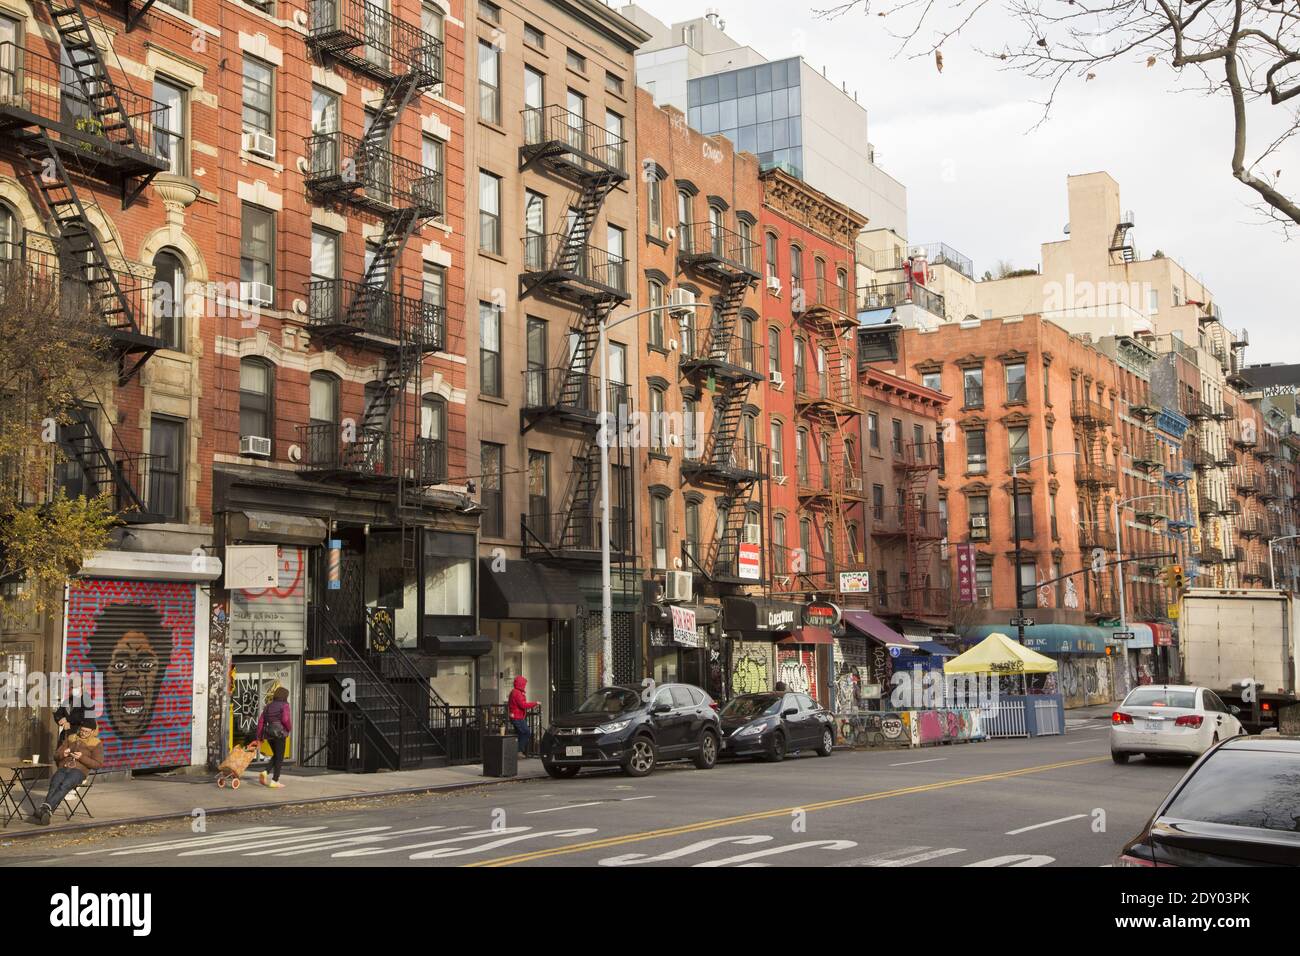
<point>778,450</point>
<point>169,300</point>
<point>11,234</point>
<point>256,398</point>
<point>773,352</point>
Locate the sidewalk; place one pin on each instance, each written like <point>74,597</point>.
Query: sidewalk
<point>1095,712</point>
<point>153,797</point>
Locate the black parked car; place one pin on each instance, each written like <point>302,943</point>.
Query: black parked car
<point>617,727</point>
<point>774,724</point>
<point>1238,806</point>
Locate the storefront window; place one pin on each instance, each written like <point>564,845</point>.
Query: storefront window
<point>391,585</point>
<point>255,681</point>
<point>448,575</point>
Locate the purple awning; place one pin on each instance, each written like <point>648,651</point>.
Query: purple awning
<point>873,627</point>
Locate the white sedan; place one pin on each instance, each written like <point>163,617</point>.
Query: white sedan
<point>1170,719</point>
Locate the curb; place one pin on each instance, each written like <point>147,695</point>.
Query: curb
<point>6,836</point>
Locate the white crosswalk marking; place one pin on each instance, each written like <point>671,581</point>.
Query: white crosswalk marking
<point>334,843</point>
<point>165,845</point>
<point>629,859</point>
<point>262,844</point>
<point>924,856</point>
<point>380,850</point>
<point>1023,859</point>
<point>874,859</point>
<point>492,845</point>
<point>777,850</point>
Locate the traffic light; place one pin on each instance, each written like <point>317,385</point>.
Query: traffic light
<point>1174,578</point>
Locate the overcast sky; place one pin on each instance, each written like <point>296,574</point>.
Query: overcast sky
<point>980,180</point>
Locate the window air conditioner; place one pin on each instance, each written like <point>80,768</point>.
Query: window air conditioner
<point>679,586</point>
<point>776,379</point>
<point>753,534</point>
<point>255,446</point>
<point>680,302</point>
<point>774,284</point>
<point>256,293</point>
<point>259,144</point>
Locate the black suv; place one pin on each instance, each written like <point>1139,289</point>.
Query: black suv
<point>634,729</point>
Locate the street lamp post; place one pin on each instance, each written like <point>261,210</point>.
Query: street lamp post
<point>606,584</point>
<point>1016,465</point>
<point>1272,570</point>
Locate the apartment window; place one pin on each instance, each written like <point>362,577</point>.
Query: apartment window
<point>257,250</point>
<point>1153,301</point>
<point>655,300</point>
<point>805,539</point>
<point>778,543</point>
<point>690,429</point>
<point>1017,386</point>
<point>489,11</point>
<point>1051,513</point>
<point>882,587</point>
<point>747,346</point>
<point>896,438</point>
<point>534,231</point>
<point>1047,385</point>
<point>169,126</point>
<point>819,277</point>
<point>984,584</point>
<point>1028,583</point>
<point>534,36</point>
<point>918,442</point>
<point>800,375</point>
<point>978,508</point>
<point>539,500</point>
<point>1018,444</point>
<point>778,450</point>
<point>659,530</point>
<point>489,212</point>
<point>977,459</point>
<point>769,254</point>
<point>1059,581</point>
<point>255,384</point>
<point>182,5</point>
<point>796,271</point>
<point>658,441</point>
<point>684,221</point>
<point>933,380</point>
<point>575,61</point>
<point>434,288</point>
<point>615,245</point>
<point>534,105</point>
<point>842,285</point>
<point>878,502</point>
<point>1025,506</point>
<point>169,299</point>
<point>323,400</point>
<point>431,157</point>
<point>614,83</point>
<point>11,238</point>
<point>801,455</point>
<point>324,111</point>
<point>259,97</point>
<point>489,82</point>
<point>692,542</point>
<point>1051,450</point>
<point>614,139</point>
<point>824,458</point>
<point>972,380</point>
<point>489,349</point>
<point>166,467</point>
<point>873,431</point>
<point>654,207</point>
<point>774,352</point>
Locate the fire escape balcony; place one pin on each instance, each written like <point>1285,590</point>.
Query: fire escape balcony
<point>35,92</point>
<point>575,536</point>
<point>919,602</point>
<point>1211,555</point>
<point>1098,474</point>
<point>888,526</point>
<point>574,272</point>
<point>373,41</point>
<point>340,452</point>
<point>568,397</point>
<point>1152,511</point>
<point>1247,482</point>
<point>733,559</point>
<point>1199,411</point>
<point>370,177</point>
<point>1266,451</point>
<point>826,394</point>
<point>1231,507</point>
<point>1092,538</point>
<point>744,463</point>
<point>830,303</point>
<point>571,147</point>
<point>918,457</point>
<point>715,251</point>
<point>1245,438</point>
<point>1225,458</point>
<point>1250,526</point>
<point>892,295</point>
<point>1147,457</point>
<point>1088,412</point>
<point>1209,505</point>
<point>387,319</point>
<point>734,362</point>
<point>94,467</point>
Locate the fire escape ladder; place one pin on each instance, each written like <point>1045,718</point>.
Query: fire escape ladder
<point>571,256</point>
<point>397,96</point>
<point>725,548</point>
<point>81,255</point>
<point>1120,244</point>
<point>103,473</point>
<point>726,309</point>
<point>372,432</point>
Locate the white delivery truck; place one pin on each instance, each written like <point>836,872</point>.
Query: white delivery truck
<point>1240,643</point>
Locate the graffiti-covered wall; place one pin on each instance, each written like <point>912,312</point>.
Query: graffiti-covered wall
<point>273,621</point>
<point>752,667</point>
<point>140,636</point>
<point>1082,681</point>
<point>797,667</point>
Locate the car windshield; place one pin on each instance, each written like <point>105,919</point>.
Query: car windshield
<point>1160,697</point>
<point>1243,788</point>
<point>610,700</point>
<point>756,705</point>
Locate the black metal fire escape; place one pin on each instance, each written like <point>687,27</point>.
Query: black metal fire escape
<point>569,269</point>
<point>729,365</point>
<point>402,195</point>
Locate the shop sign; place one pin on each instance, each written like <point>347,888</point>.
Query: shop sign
<point>749,562</point>
<point>251,566</point>
<point>781,619</point>
<point>822,614</point>
<point>684,631</point>
<point>855,582</point>
<point>966,574</point>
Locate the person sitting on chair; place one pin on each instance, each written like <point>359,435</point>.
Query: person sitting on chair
<point>81,753</point>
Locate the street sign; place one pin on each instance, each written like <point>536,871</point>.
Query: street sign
<point>1022,622</point>
<point>1122,636</point>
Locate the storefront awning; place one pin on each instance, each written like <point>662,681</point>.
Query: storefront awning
<point>275,528</point>
<point>1143,637</point>
<point>524,589</point>
<point>1048,638</point>
<point>809,634</point>
<point>937,649</point>
<point>873,627</point>
<point>459,645</point>
<point>760,614</point>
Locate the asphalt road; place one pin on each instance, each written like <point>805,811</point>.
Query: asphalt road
<point>1055,801</point>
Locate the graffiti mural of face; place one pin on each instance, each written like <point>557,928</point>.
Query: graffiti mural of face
<point>131,684</point>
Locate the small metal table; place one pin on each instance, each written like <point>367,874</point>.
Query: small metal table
<point>18,775</point>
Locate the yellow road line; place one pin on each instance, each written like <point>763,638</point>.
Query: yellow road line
<point>785,811</point>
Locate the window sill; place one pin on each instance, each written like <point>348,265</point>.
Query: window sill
<point>494,126</point>
<point>972,408</point>
<point>661,456</point>
<point>494,256</point>
<point>261,161</point>
<point>656,348</point>
<point>1017,402</point>
<point>494,399</point>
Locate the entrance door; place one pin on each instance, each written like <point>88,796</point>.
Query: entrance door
<point>346,604</point>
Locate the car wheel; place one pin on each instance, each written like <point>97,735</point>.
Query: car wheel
<point>641,758</point>
<point>776,749</point>
<point>707,755</point>
<point>1118,757</point>
<point>558,772</point>
<point>828,743</point>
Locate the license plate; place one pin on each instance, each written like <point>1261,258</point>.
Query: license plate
<point>573,751</point>
<point>1154,724</point>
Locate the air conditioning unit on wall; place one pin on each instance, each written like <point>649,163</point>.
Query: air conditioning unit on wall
<point>679,586</point>
<point>255,446</point>
<point>259,144</point>
<point>681,302</point>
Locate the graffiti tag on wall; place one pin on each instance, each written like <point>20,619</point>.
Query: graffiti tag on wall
<point>272,621</point>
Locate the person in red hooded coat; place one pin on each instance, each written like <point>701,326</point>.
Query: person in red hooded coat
<point>519,705</point>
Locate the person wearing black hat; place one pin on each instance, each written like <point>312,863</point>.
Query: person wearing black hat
<point>68,721</point>
<point>77,756</point>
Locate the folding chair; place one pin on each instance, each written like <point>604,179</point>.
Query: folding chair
<point>76,798</point>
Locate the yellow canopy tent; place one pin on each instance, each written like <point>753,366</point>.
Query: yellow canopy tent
<point>999,654</point>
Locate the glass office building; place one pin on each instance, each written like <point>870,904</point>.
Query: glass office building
<point>758,108</point>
